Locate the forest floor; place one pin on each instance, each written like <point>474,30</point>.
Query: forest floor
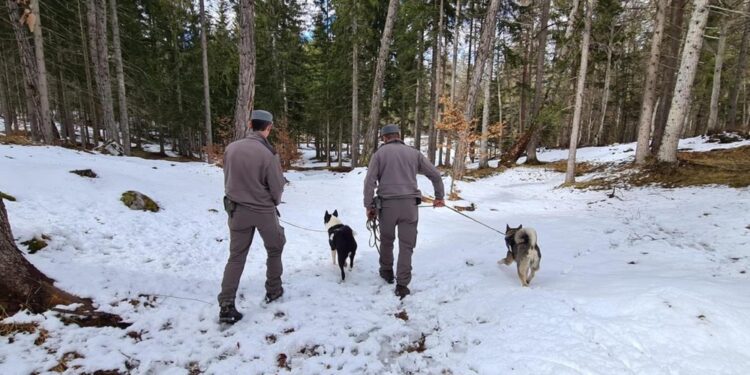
<point>648,280</point>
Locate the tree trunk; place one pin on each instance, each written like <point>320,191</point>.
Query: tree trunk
<point>605,96</point>
<point>376,100</point>
<point>89,86</point>
<point>246,88</point>
<point>485,42</point>
<point>124,120</point>
<point>580,87</point>
<point>713,115</point>
<point>206,85</point>
<point>483,155</point>
<point>537,103</point>
<point>11,122</point>
<point>65,120</point>
<point>649,92</point>
<point>29,69</point>
<point>100,55</point>
<point>418,100</point>
<point>355,88</point>
<point>670,60</point>
<point>684,86</point>
<point>340,145</point>
<point>456,36</point>
<point>739,73</point>
<point>46,122</point>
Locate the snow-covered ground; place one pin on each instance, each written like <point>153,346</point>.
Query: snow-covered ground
<point>652,282</point>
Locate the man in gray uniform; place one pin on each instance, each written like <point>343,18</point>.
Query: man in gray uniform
<point>253,183</point>
<point>393,170</point>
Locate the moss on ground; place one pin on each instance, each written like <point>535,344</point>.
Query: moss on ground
<point>132,199</point>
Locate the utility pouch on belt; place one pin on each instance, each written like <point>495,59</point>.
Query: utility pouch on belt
<point>419,201</point>
<point>229,206</point>
<point>378,201</point>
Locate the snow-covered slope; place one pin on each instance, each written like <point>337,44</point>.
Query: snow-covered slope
<point>652,282</point>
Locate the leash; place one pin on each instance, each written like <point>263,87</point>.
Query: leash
<point>303,228</point>
<point>374,228</point>
<point>470,218</point>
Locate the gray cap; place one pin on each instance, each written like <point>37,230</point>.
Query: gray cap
<point>389,129</point>
<point>262,115</point>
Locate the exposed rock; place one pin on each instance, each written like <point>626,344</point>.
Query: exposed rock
<point>137,201</point>
<point>85,173</point>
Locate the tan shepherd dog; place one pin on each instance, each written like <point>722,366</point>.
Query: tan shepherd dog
<point>524,250</point>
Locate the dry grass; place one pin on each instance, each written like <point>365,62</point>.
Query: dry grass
<point>15,139</point>
<point>729,167</point>
<point>561,166</point>
<point>157,156</point>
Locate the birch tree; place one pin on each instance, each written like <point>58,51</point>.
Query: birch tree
<point>580,87</point>
<point>649,91</point>
<point>684,86</point>
<point>376,100</point>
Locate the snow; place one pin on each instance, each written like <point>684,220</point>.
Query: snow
<point>651,282</point>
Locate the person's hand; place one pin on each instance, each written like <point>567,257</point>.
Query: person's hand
<point>438,203</point>
<point>371,214</point>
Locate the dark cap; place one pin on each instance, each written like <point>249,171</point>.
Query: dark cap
<point>389,129</point>
<point>262,115</point>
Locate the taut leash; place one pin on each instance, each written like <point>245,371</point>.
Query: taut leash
<point>471,218</point>
<point>303,228</point>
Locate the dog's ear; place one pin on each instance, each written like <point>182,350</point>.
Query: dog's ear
<point>520,226</point>
<point>326,212</point>
<point>326,217</point>
<point>507,227</point>
<point>336,213</point>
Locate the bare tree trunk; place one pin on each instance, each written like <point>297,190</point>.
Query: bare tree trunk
<point>649,92</point>
<point>89,86</point>
<point>100,54</point>
<point>418,100</point>
<point>739,73</point>
<point>355,88</point>
<point>456,36</point>
<point>246,87</point>
<point>684,86</point>
<point>29,69</point>
<point>713,115</point>
<point>376,100</point>
<point>65,120</point>
<point>340,144</point>
<point>580,87</point>
<point>206,85</point>
<point>124,120</point>
<point>46,122</point>
<point>537,103</point>
<point>485,42</point>
<point>605,95</point>
<point>483,154</point>
<point>11,122</point>
<point>670,61</point>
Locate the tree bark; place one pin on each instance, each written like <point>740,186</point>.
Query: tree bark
<point>739,73</point>
<point>713,115</point>
<point>537,103</point>
<point>355,88</point>
<point>46,122</point>
<point>605,96</point>
<point>246,87</point>
<point>456,36</point>
<point>670,61</point>
<point>30,71</point>
<point>485,42</point>
<point>483,154</point>
<point>684,86</point>
<point>206,85</point>
<point>100,55</point>
<point>121,94</point>
<point>418,94</point>
<point>649,92</point>
<point>376,100</point>
<point>580,87</point>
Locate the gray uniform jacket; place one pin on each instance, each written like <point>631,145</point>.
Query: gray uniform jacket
<point>393,170</point>
<point>252,174</point>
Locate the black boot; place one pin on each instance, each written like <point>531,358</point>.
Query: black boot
<point>402,291</point>
<point>270,297</point>
<point>228,314</point>
<point>387,276</point>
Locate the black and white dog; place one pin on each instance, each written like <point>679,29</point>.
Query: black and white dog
<point>341,239</point>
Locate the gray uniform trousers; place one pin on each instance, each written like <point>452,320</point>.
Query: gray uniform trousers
<point>404,214</point>
<point>242,225</point>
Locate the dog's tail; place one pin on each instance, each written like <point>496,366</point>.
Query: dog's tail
<point>528,235</point>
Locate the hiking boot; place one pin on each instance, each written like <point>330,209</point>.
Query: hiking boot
<point>387,276</point>
<point>270,297</point>
<point>228,314</point>
<point>402,291</point>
